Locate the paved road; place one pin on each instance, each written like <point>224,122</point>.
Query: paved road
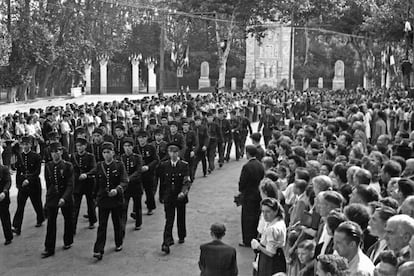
<point>211,200</point>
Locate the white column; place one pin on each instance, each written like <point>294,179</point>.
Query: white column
<point>152,78</point>
<point>104,74</point>
<point>88,72</point>
<point>135,75</point>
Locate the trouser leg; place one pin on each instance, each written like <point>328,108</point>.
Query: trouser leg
<point>148,187</point>
<point>5,221</point>
<point>116,221</point>
<point>138,209</point>
<point>36,199</point>
<point>169,223</point>
<point>124,213</point>
<point>50,242</point>
<point>77,199</point>
<point>67,212</point>
<point>182,231</point>
<point>21,203</point>
<point>91,208</point>
<point>220,148</point>
<point>101,235</point>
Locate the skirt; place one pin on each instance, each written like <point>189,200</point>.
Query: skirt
<point>267,266</point>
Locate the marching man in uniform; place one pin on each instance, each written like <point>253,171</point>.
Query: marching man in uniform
<point>28,183</point>
<point>111,182</point>
<point>173,193</point>
<point>5,183</point>
<point>59,185</point>
<point>83,164</point>
<point>133,165</point>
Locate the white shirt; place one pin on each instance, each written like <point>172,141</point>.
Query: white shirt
<point>274,235</point>
<point>361,265</point>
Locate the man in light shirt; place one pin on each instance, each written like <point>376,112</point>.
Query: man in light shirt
<point>398,233</point>
<point>347,242</point>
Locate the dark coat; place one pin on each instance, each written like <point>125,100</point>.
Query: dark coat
<point>108,177</point>
<point>174,181</point>
<point>202,135</point>
<point>5,184</point>
<point>251,175</point>
<point>191,143</point>
<point>59,182</point>
<point>133,165</point>
<point>83,164</point>
<point>217,259</point>
<point>150,158</point>
<point>225,128</point>
<point>28,167</point>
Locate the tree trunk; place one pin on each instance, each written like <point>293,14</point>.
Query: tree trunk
<point>224,53</point>
<point>43,83</point>
<point>307,44</point>
<point>11,94</point>
<point>32,84</point>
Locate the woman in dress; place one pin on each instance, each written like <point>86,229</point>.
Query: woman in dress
<point>270,248</point>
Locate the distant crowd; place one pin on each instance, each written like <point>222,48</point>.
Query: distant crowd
<point>330,193</point>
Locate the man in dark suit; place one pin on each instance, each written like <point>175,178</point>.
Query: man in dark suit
<point>111,182</point>
<point>268,122</point>
<point>216,257</point>
<point>203,142</point>
<point>173,193</point>
<point>5,183</point>
<point>59,195</point>
<point>251,175</point>
<point>28,167</point>
<point>83,163</point>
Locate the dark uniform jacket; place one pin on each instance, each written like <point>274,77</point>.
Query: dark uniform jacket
<point>217,258</point>
<point>203,138</point>
<point>161,149</point>
<point>251,175</point>
<point>191,143</point>
<point>133,166</point>
<point>5,184</point>
<point>96,150</point>
<point>268,122</point>
<point>225,128</point>
<point>175,180</point>
<point>83,164</point>
<point>150,158</point>
<point>59,182</point>
<point>235,126</point>
<point>108,177</point>
<point>28,167</point>
<point>118,146</point>
<point>214,131</point>
<point>166,132</point>
<point>178,138</point>
<point>245,126</point>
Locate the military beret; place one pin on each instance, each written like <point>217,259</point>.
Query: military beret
<point>107,146</point>
<point>49,113</point>
<point>164,115</point>
<point>173,146</point>
<point>26,140</point>
<point>185,121</point>
<point>128,140</point>
<point>81,140</point>
<point>55,146</point>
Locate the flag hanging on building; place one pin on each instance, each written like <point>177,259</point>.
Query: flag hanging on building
<point>187,56</point>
